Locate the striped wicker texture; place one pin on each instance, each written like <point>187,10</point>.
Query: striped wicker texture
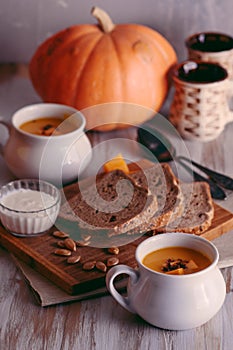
<point>200,111</point>
<point>224,58</point>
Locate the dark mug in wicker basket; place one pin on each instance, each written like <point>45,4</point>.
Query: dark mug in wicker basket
<point>212,47</point>
<point>200,107</point>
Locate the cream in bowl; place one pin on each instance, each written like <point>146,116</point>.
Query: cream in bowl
<point>29,207</point>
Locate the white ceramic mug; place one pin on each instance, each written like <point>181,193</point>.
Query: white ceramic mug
<point>58,159</point>
<point>174,302</point>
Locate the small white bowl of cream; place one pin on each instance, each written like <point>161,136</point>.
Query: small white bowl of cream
<point>29,207</point>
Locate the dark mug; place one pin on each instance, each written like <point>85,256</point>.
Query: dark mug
<point>212,47</point>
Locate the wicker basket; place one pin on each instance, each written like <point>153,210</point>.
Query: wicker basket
<point>200,111</point>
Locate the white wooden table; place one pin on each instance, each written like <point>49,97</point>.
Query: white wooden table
<point>99,323</point>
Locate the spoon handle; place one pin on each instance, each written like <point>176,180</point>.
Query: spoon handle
<point>216,191</point>
<point>223,180</point>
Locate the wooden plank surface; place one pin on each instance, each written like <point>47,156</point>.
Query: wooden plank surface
<point>101,323</point>
<point>38,252</point>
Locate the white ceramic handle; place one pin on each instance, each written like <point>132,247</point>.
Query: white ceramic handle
<point>112,274</point>
<point>7,125</point>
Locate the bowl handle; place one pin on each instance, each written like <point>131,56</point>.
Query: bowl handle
<point>8,127</point>
<point>112,274</point>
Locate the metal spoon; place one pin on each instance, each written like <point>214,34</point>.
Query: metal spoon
<point>164,151</point>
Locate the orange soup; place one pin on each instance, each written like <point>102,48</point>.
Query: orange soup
<point>176,260</point>
<point>47,126</point>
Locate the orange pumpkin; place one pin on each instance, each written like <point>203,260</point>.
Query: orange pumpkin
<point>85,66</point>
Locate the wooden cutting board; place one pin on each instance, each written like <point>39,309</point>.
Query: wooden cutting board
<point>38,252</point>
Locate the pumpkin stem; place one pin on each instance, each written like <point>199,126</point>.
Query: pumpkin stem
<point>105,22</point>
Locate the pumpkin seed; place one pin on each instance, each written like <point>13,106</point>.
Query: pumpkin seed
<point>70,244</point>
<point>100,265</point>
<point>74,259</point>
<point>86,237</point>
<point>60,234</point>
<point>82,243</point>
<point>62,252</point>
<point>114,250</point>
<point>89,265</point>
<point>61,244</point>
<point>112,261</point>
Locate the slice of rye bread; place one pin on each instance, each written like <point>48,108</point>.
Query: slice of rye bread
<point>198,210</point>
<point>112,202</point>
<point>163,184</point>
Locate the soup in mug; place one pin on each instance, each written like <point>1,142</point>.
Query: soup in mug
<point>176,260</point>
<point>48,126</point>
